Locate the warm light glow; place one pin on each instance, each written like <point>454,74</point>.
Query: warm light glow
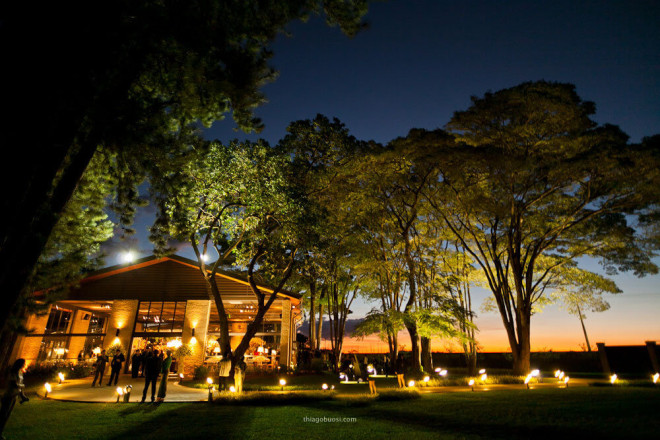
<point>209,381</point>
<point>193,341</point>
<point>116,341</point>
<point>443,373</point>
<point>561,375</point>
<point>566,379</point>
<point>332,387</point>
<point>482,371</point>
<point>341,375</point>
<point>655,377</point>
<point>484,377</point>
<point>411,383</point>
<point>181,375</point>
<point>528,378</point>
<point>282,382</point>
<point>204,257</point>
<point>232,389</point>
<point>426,378</point>
<point>127,257</point>
<point>438,370</point>
<point>324,386</point>
<point>557,373</point>
<point>260,350</point>
<point>350,366</point>
<point>48,387</point>
<point>471,382</point>
<point>174,343</point>
<point>61,376</point>
<point>535,373</point>
<point>97,351</point>
<point>613,378</point>
<point>370,368</point>
<point>120,391</point>
<point>273,352</point>
<point>59,351</point>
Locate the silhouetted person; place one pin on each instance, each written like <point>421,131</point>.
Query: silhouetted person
<point>115,366</point>
<point>101,360</point>
<point>152,367</point>
<point>165,371</point>
<point>14,389</point>
<point>400,368</point>
<point>136,360</point>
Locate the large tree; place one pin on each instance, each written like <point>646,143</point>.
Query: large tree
<point>532,176</point>
<point>127,76</point>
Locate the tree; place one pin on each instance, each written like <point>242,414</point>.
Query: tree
<point>237,200</point>
<point>531,175</point>
<point>129,77</point>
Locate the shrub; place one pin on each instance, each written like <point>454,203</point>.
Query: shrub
<point>201,373</point>
<point>317,365</point>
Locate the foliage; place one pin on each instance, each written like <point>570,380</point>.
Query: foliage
<point>201,372</point>
<point>183,351</point>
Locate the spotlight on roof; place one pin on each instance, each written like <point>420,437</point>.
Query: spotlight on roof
<point>127,257</point>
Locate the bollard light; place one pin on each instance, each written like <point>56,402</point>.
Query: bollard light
<point>426,379</point>
<point>484,377</point>
<point>535,373</point>
<point>443,373</point>
<point>613,379</point>
<point>482,371</point>
<point>527,379</point>
<point>209,381</point>
<point>411,384</point>
<point>438,370</point>
<point>282,383</point>
<point>332,387</point>
<point>61,376</point>
<point>180,378</point>
<point>232,389</point>
<point>48,389</point>
<point>566,379</point>
<point>471,383</point>
<point>324,386</point>
<point>120,392</point>
<point>127,393</point>
<point>655,378</point>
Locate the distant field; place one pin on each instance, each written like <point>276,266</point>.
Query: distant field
<point>511,414</point>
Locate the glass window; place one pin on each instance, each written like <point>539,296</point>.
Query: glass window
<point>58,320</point>
<point>156,316</point>
<point>96,324</point>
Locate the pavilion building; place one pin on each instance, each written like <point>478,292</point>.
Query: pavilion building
<point>163,302</point>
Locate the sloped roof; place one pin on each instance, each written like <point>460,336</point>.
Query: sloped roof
<point>162,278</point>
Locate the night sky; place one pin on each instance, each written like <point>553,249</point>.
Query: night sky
<point>419,61</point>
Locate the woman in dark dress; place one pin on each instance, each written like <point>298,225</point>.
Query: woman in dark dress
<point>165,370</point>
<point>14,390</point>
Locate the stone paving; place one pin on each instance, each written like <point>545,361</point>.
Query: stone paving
<point>81,390</point>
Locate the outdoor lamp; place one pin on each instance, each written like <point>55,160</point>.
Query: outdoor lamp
<point>527,379</point>
<point>535,373</point>
<point>557,373</point>
<point>332,387</point>
<point>180,377</point>
<point>484,376</point>
<point>482,371</point>
<point>210,382</point>
<point>438,370</point>
<point>120,392</point>
<point>48,390</point>
<point>471,384</point>
<point>61,376</point>
<point>426,379</point>
<point>411,384</point>
<point>324,386</point>
<point>566,379</point>
<point>655,377</point>
<point>282,383</point>
<point>232,389</point>
<point>613,379</point>
<point>443,373</point>
<point>127,393</point>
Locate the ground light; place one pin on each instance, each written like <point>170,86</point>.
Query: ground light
<point>282,383</point>
<point>426,379</point>
<point>210,382</point>
<point>566,379</point>
<point>655,378</point>
<point>127,393</point>
<point>61,376</point>
<point>232,389</point>
<point>484,377</point>
<point>48,389</point>
<point>527,379</point>
<point>180,378</point>
<point>324,386</point>
<point>613,379</point>
<point>471,383</point>
<point>443,373</point>
<point>411,384</point>
<point>482,371</point>
<point>120,392</point>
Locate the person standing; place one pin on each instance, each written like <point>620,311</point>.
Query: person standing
<point>239,375</point>
<point>101,360</point>
<point>400,368</point>
<point>151,370</point>
<point>165,371</point>
<point>14,389</point>
<point>115,366</point>
<point>135,363</point>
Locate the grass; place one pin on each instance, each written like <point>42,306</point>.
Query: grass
<point>507,414</point>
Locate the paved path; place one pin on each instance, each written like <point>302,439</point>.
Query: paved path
<point>81,390</point>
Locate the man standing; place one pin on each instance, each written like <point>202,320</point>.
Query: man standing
<point>115,366</point>
<point>136,360</point>
<point>152,367</point>
<point>101,360</point>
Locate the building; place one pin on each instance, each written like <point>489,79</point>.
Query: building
<point>162,302</point>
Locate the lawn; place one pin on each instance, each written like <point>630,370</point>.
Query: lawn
<point>508,414</point>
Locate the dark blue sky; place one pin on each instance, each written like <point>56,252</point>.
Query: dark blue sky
<point>419,61</point>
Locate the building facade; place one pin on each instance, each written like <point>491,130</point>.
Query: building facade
<point>162,302</point>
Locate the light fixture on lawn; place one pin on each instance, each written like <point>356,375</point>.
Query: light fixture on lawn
<point>324,386</point>
<point>120,392</point>
<point>411,384</point>
<point>613,379</point>
<point>566,379</point>
<point>127,393</point>
<point>527,379</point>
<point>209,381</point>
<point>426,379</point>
<point>471,384</point>
<point>60,375</point>
<point>232,389</point>
<point>47,389</point>
<point>655,378</point>
<point>282,383</point>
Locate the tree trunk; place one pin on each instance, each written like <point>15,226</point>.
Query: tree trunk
<point>521,356</point>
<point>427,356</point>
<point>223,340</point>
<point>416,354</point>
<point>319,332</point>
<point>312,317</point>
<point>584,329</point>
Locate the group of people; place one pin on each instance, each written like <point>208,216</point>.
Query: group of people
<point>149,363</point>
